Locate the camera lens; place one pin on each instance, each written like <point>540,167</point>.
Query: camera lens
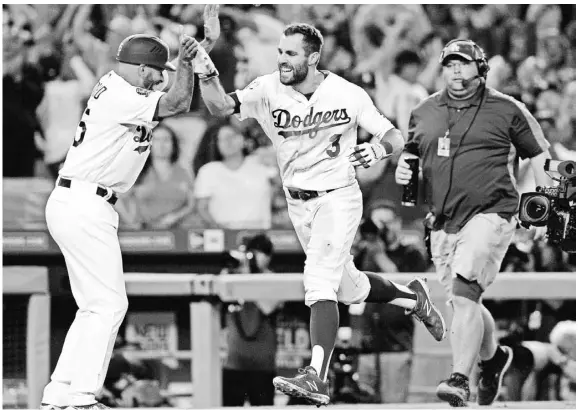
<point>537,208</point>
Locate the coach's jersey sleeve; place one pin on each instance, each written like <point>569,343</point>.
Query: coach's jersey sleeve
<point>526,134</point>
<point>253,99</point>
<point>369,118</point>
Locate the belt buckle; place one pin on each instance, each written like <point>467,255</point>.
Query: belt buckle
<point>304,196</point>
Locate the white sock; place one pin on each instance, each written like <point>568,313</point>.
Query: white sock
<point>317,355</point>
<point>403,302</point>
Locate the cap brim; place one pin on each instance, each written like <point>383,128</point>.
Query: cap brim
<point>170,67</point>
<point>456,53</point>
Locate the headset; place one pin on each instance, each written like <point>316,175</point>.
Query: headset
<point>479,55</point>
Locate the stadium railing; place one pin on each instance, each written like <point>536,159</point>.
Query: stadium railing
<point>209,291</point>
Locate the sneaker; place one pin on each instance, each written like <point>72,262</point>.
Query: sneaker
<point>306,385</point>
<point>491,377</point>
<point>425,311</point>
<point>45,406</point>
<point>93,406</point>
<point>455,390</point>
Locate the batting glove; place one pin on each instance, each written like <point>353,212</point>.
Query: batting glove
<point>367,154</point>
<point>203,65</point>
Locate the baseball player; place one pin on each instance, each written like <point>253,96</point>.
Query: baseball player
<point>109,150</point>
<point>311,117</point>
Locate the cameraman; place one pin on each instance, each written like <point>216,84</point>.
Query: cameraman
<point>250,366</point>
<point>384,332</point>
<point>469,138</point>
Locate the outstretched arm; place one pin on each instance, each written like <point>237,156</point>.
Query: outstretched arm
<point>178,99</point>
<point>217,100</point>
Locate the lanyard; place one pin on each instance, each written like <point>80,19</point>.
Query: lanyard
<point>458,146</point>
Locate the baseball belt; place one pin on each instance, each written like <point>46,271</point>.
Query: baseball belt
<point>100,191</point>
<point>305,195</point>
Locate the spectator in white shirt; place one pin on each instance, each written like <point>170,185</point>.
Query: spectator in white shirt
<point>235,191</point>
<point>397,94</point>
<point>61,108</point>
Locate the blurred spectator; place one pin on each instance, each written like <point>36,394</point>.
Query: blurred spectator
<point>373,23</point>
<point>250,366</point>
<point>69,83</point>
<point>23,89</point>
<point>163,195</point>
<point>407,257</point>
<point>397,93</point>
<point>235,191</point>
<point>384,331</point>
<point>130,382</point>
<point>539,368</point>
<point>369,250</point>
<point>549,258</point>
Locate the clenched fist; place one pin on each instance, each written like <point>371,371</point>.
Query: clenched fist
<point>403,171</point>
<point>188,47</point>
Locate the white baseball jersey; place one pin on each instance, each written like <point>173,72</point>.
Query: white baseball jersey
<point>113,138</point>
<point>312,136</point>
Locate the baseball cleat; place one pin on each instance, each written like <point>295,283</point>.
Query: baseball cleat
<point>425,311</point>
<point>491,377</point>
<point>454,390</point>
<point>93,406</point>
<point>306,385</point>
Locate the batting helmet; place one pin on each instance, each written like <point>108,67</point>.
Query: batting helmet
<point>145,49</point>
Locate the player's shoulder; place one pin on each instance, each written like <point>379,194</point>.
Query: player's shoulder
<point>343,84</point>
<point>263,82</point>
<point>504,101</point>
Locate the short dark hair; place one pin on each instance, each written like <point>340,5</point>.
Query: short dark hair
<point>312,38</point>
<point>260,242</point>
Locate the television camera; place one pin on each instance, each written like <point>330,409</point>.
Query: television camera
<point>554,206</point>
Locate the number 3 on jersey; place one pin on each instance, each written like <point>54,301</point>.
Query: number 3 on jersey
<point>80,132</point>
<point>334,149</point>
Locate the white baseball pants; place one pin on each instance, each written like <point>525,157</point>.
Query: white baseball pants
<point>85,226</point>
<point>326,227</point>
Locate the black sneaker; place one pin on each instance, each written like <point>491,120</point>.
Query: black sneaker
<point>455,390</point>
<point>425,311</point>
<point>306,385</point>
<point>491,377</point>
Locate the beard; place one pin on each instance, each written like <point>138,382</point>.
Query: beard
<point>297,75</point>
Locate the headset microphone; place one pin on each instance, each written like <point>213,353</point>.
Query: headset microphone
<point>467,81</point>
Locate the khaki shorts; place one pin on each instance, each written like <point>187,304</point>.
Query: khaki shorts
<point>475,252</point>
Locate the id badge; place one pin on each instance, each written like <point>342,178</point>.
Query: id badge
<point>444,147</point>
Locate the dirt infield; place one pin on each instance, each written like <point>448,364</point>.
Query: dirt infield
<point>429,406</point>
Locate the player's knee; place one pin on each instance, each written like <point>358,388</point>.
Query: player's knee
<point>468,289</point>
<point>313,296</point>
<point>121,304</point>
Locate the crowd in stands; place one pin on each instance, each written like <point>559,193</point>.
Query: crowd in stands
<point>209,172</point>
<point>206,172</point>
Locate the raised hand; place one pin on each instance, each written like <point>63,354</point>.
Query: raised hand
<point>188,46</point>
<point>211,22</point>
